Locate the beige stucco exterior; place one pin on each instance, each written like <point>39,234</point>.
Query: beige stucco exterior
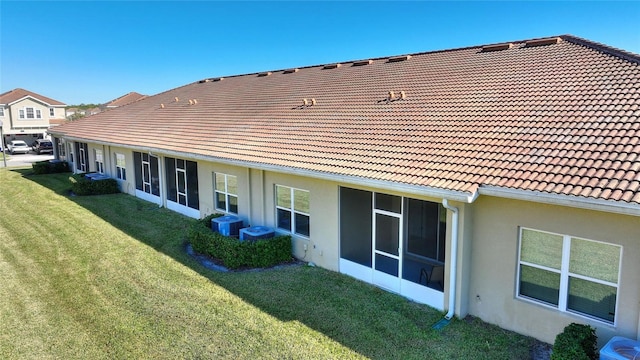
<point>494,258</point>
<point>488,241</point>
<point>15,127</point>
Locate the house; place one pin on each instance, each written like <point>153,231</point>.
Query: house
<point>501,181</point>
<point>124,100</point>
<point>27,116</point>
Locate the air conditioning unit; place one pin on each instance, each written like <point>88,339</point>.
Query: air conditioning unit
<point>256,233</point>
<point>620,348</point>
<point>227,225</point>
<point>96,176</point>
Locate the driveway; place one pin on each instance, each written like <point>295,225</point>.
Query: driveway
<point>24,159</point>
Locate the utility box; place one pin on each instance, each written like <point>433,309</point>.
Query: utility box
<point>256,233</point>
<point>227,225</point>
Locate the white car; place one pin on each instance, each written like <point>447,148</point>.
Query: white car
<point>18,146</point>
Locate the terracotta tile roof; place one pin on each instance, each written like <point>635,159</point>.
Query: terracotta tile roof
<point>17,94</point>
<point>560,117</point>
<point>125,99</point>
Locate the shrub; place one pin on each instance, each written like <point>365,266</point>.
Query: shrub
<point>576,342</point>
<point>50,167</point>
<point>235,253</point>
<point>83,186</point>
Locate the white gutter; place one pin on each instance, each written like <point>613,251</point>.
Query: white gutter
<point>454,258</point>
<point>618,207</point>
<point>343,179</point>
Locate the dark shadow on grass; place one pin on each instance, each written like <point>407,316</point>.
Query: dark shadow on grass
<point>370,321</point>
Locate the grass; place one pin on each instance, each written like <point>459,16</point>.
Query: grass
<point>106,277</point>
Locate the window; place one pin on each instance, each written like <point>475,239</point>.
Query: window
<point>292,210</point>
<point>226,193</point>
<point>61,148</point>
<point>1,111</point>
<point>182,182</point>
<point>121,171</point>
<point>30,113</point>
<point>52,112</point>
<point>571,274</point>
<point>38,114</point>
<point>21,111</point>
<point>99,161</point>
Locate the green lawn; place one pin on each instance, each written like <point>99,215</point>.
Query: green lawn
<point>106,277</point>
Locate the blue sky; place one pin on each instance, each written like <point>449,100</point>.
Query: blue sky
<point>93,52</point>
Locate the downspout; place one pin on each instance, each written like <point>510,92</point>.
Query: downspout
<point>454,258</point>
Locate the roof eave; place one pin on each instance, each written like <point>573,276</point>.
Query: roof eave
<point>618,207</point>
<point>427,191</point>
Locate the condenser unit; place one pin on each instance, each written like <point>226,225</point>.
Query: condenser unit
<point>227,225</point>
<point>620,348</point>
<point>256,233</point>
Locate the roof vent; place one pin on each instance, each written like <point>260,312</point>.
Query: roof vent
<point>497,47</point>
<point>218,79</point>
<point>204,81</point>
<point>161,106</point>
<point>265,73</point>
<point>305,102</point>
<point>542,42</point>
<point>332,66</point>
<point>190,102</point>
<point>392,96</point>
<point>400,58</point>
<point>176,99</point>
<point>289,71</point>
<point>363,62</point>
<point>313,102</point>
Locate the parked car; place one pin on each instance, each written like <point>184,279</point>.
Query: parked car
<point>18,146</point>
<point>43,146</point>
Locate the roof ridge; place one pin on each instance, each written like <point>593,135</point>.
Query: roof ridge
<point>387,57</point>
<point>623,54</point>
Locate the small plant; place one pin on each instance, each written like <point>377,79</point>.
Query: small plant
<point>80,185</point>
<point>50,167</point>
<point>235,253</point>
<point>576,342</point>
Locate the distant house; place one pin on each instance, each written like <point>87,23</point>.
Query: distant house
<point>27,116</point>
<point>124,100</point>
<point>501,181</point>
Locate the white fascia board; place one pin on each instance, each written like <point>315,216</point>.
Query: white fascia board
<point>618,207</point>
<point>459,196</point>
<point>30,97</point>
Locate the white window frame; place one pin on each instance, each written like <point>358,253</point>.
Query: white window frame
<point>52,112</point>
<point>32,111</point>
<point>1,111</point>
<point>121,169</point>
<point>83,165</point>
<point>21,114</point>
<point>292,210</point>
<point>38,114</point>
<point>564,273</point>
<point>99,160</point>
<point>227,194</point>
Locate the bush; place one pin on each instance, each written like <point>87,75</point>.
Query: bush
<point>235,253</point>
<point>576,342</point>
<point>83,186</point>
<point>50,167</point>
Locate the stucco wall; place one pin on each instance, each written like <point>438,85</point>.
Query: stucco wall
<point>494,258</point>
<point>19,123</point>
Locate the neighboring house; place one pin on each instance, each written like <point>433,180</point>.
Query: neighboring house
<point>501,181</point>
<point>27,116</point>
<point>124,100</point>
